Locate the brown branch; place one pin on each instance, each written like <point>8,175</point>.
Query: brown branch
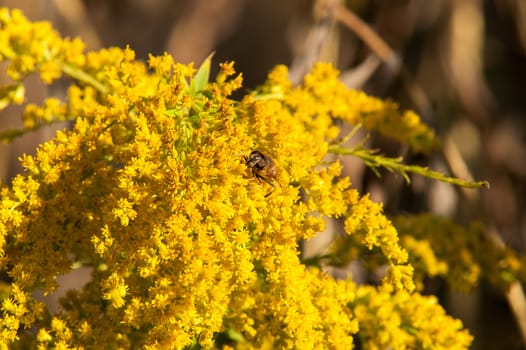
<point>367,34</point>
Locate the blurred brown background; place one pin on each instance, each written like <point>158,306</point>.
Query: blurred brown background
<point>461,64</point>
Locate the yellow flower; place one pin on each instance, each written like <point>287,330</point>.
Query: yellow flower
<point>438,247</point>
<point>402,320</point>
<point>374,114</point>
<point>150,188</point>
<point>116,290</point>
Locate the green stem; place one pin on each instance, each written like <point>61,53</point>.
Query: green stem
<point>84,77</point>
<point>395,164</point>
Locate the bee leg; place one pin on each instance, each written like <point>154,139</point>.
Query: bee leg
<point>269,182</point>
<point>261,178</point>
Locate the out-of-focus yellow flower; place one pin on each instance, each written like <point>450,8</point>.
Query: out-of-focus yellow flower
<point>403,320</point>
<point>438,247</point>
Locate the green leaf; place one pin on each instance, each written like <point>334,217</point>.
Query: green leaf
<point>172,112</point>
<point>202,76</point>
<point>234,335</point>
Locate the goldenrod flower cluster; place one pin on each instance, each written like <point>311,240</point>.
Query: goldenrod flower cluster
<point>463,256</point>
<point>406,321</point>
<point>188,249</point>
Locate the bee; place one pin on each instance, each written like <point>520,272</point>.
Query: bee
<point>262,168</point>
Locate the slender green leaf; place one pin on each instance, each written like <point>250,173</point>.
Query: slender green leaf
<point>202,76</point>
